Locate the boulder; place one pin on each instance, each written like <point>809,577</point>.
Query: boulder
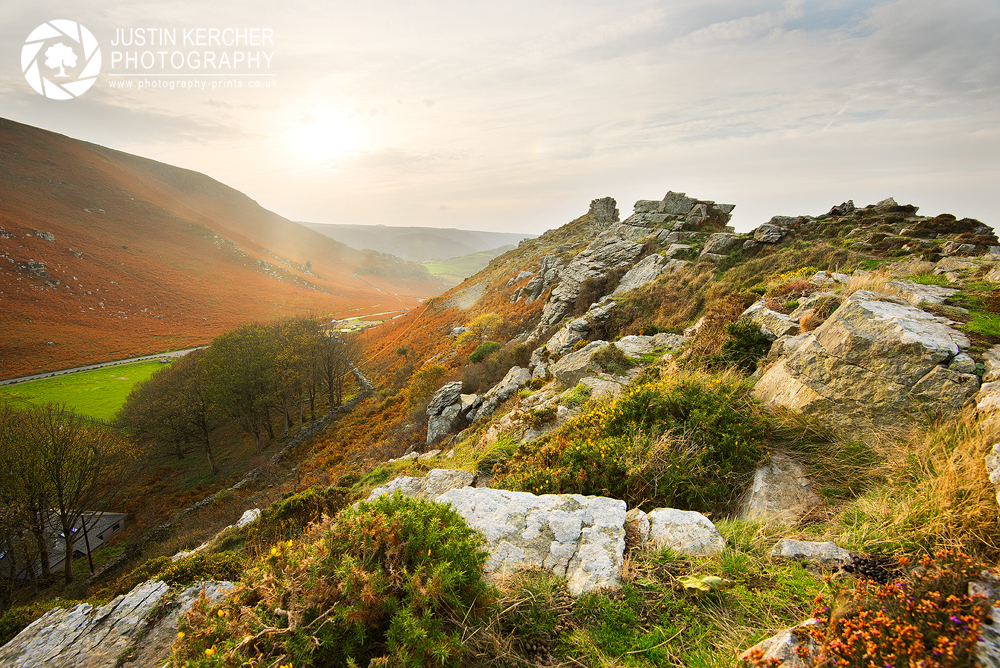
<point>780,491</point>
<point>515,379</point>
<point>769,234</point>
<point>579,537</point>
<point>439,425</point>
<point>669,342</point>
<point>567,337</point>
<point>786,649</point>
<point>772,324</point>
<point>637,522</point>
<point>677,203</point>
<point>876,358</point>
<point>602,386</point>
<point>604,210</point>
<point>685,531</point>
<point>248,517</point>
<point>991,360</point>
<point>721,243</point>
<point>431,486</point>
<point>571,368</point>
<point>445,396</point>
<point>635,345</point>
<point>97,637</point>
<point>917,294</point>
<point>827,555</point>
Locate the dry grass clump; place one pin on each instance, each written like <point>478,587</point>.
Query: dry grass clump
<point>876,281</point>
<point>937,495</point>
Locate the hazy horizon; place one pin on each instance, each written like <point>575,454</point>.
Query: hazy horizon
<point>512,118</point>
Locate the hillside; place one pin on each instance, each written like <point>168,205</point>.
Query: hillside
<point>418,244</point>
<point>649,442</point>
<point>105,255</point>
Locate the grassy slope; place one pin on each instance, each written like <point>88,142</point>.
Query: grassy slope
<point>153,275</point>
<point>97,393</point>
<point>457,269</point>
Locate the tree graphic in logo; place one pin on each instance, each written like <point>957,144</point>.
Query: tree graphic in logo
<point>59,55</point>
<point>61,44</point>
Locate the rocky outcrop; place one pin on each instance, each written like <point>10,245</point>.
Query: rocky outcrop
<point>91,637</point>
<point>780,491</point>
<point>431,486</point>
<point>769,234</point>
<point>571,368</point>
<point>515,379</point>
<point>721,243</point>
<point>685,531</point>
<point>579,537</point>
<point>604,211</point>
<point>876,358</point>
<point>544,278</point>
<point>646,271</point>
<point>444,411</point>
<point>567,337</point>
<point>827,555</point>
<point>772,324</point>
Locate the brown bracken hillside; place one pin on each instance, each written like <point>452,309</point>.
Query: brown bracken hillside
<point>106,255</point>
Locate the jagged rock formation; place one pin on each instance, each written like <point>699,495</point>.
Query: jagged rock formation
<point>646,271</point>
<point>515,379</point>
<point>431,486</point>
<point>875,358</point>
<point>89,637</point>
<point>572,368</point>
<point>566,338</point>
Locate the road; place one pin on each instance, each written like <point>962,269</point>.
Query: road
<point>50,374</point>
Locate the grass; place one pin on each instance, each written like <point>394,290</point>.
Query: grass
<point>457,269</point>
<point>97,393</point>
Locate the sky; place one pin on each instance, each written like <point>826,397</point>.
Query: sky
<point>511,116</point>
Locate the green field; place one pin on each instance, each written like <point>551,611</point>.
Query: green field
<point>457,269</point>
<point>98,393</point>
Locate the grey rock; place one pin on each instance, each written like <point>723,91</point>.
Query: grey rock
<point>47,236</point>
<point>874,359</point>
<point>769,234</point>
<point>445,396</point>
<point>721,243</point>
<point>784,650</point>
<point>751,245</point>
<point>571,368</point>
<point>547,274</point>
<point>564,340</point>
<point>648,206</point>
<point>697,215</point>
<point>669,341</point>
<point>456,331</point>
<point>443,423</point>
<point>579,537</point>
<point>604,210</point>
<point>520,277</point>
<point>515,379</point>
<point>95,637</point>
<point>468,402</point>
<point>431,486</point>
<point>675,248</point>
<point>772,324</point>
<point>685,531</point>
<point>677,203</point>
<point>963,363</point>
<point>916,293</point>
<point>991,360</point>
<point>713,257</point>
<point>248,517</point>
<point>993,470</point>
<point>430,454</point>
<point>635,346</point>
<point>601,386</point>
<point>645,271</point>
<point>827,555</point>
<point>780,491</point>
<point>806,304</point>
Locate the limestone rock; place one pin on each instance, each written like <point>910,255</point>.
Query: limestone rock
<point>963,363</point>
<point>431,486</point>
<point>547,274</point>
<point>645,271</point>
<point>827,555</point>
<point>993,469</point>
<point>916,293</point>
<point>638,521</point>
<point>721,243</point>
<point>575,366</point>
<point>430,454</point>
<point>685,531</point>
<point>991,360</point>
<point>91,637</point>
<point>515,379</point>
<point>783,650</point>
<point>468,402</point>
<point>669,341</point>
<point>772,324</point>
<point>769,234</point>
<point>875,358</point>
<point>635,345</point>
<point>579,537</point>
<point>604,210</point>
<point>439,425</point>
<point>445,396</point>
<point>601,386</point>
<point>780,491</point>
<point>248,517</point>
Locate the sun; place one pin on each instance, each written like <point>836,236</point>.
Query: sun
<point>326,139</point>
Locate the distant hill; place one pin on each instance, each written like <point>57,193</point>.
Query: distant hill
<point>456,269</point>
<point>106,255</point>
<point>419,244</point>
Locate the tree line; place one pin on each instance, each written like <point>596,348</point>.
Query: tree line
<point>259,377</point>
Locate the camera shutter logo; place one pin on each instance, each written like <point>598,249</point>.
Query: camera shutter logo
<point>61,59</point>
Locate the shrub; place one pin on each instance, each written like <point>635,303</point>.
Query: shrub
<point>577,396</point>
<point>288,517</point>
<point>690,442</point>
<point>484,350</point>
<point>487,373</point>
<point>203,566</point>
<point>927,619</point>
<point>613,360</point>
<point>388,583</point>
<point>745,344</point>
<point>147,570</point>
